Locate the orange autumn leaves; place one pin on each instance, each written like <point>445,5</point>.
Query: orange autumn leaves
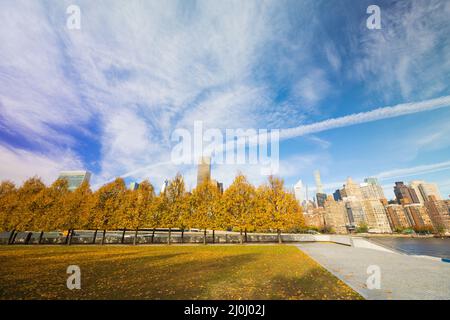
<point>242,207</point>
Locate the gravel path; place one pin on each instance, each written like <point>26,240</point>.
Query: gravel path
<point>402,276</point>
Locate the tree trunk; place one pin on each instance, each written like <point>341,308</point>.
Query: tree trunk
<point>123,235</point>
<point>135,237</point>
<point>27,239</point>
<point>14,237</point>
<point>11,236</point>
<point>170,234</point>
<point>241,238</point>
<point>279,236</point>
<point>214,236</point>
<point>182,236</point>
<point>66,241</point>
<point>246,236</point>
<point>153,235</point>
<point>103,237</point>
<point>226,237</point>
<point>204,237</point>
<point>95,236</point>
<point>40,237</point>
<point>70,238</point>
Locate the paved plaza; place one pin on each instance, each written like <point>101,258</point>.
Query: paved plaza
<point>402,276</point>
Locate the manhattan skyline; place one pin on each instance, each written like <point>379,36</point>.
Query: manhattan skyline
<point>106,98</point>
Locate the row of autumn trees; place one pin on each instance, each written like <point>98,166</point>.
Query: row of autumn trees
<point>242,207</point>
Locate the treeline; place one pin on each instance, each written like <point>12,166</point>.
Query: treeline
<point>242,207</point>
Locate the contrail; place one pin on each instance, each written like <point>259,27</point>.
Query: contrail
<point>364,117</point>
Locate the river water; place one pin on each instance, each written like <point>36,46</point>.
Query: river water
<point>435,247</point>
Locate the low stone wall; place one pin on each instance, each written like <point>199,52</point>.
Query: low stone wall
<point>220,237</point>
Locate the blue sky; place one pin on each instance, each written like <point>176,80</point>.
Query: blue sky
<point>108,97</point>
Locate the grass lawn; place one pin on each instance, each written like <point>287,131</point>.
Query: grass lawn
<point>167,272</point>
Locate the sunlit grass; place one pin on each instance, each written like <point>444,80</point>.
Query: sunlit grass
<point>167,272</point>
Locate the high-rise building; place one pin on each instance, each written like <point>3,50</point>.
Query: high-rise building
<point>424,190</point>
<point>371,189</point>
<point>417,215</point>
<point>299,192</point>
<point>75,178</point>
<point>319,187</point>
<point>335,215</point>
<point>204,170</point>
<point>351,189</point>
<point>337,195</point>
<point>397,217</point>
<point>164,186</point>
<point>218,184</point>
<point>321,198</point>
<point>405,194</point>
<point>439,211</point>
<point>376,217</point>
<point>355,211</point>
<point>134,186</point>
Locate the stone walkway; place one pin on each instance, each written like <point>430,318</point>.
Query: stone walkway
<point>402,276</point>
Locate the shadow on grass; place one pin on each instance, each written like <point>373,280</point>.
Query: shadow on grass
<point>316,284</point>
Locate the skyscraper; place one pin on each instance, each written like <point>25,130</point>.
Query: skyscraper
<point>335,215</point>
<point>319,187</point>
<point>424,190</point>
<point>405,194</point>
<point>134,185</point>
<point>299,192</point>
<point>320,195</point>
<point>373,188</point>
<point>75,178</point>
<point>439,212</point>
<point>204,170</point>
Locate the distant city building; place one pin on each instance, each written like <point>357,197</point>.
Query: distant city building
<point>405,194</point>
<point>376,217</point>
<point>315,218</point>
<point>75,178</point>
<point>319,187</point>
<point>217,184</point>
<point>335,215</point>
<point>351,189</point>
<point>355,211</point>
<point>424,189</point>
<point>371,189</point>
<point>337,195</point>
<point>134,186</point>
<point>417,215</point>
<point>397,217</point>
<point>204,170</point>
<point>439,212</point>
<point>321,198</point>
<point>164,186</point>
<point>299,192</point>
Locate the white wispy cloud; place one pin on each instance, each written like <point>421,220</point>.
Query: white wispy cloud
<point>18,165</point>
<point>409,54</point>
<point>363,117</point>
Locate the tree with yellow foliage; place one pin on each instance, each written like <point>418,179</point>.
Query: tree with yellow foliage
<point>206,207</point>
<point>239,206</point>
<point>174,205</point>
<point>77,208</point>
<point>26,214</point>
<point>107,203</point>
<point>8,204</point>
<point>141,204</point>
<point>280,210</point>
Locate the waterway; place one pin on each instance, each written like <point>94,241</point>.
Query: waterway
<point>435,247</point>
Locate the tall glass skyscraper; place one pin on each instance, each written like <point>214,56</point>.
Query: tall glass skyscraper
<point>75,178</point>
